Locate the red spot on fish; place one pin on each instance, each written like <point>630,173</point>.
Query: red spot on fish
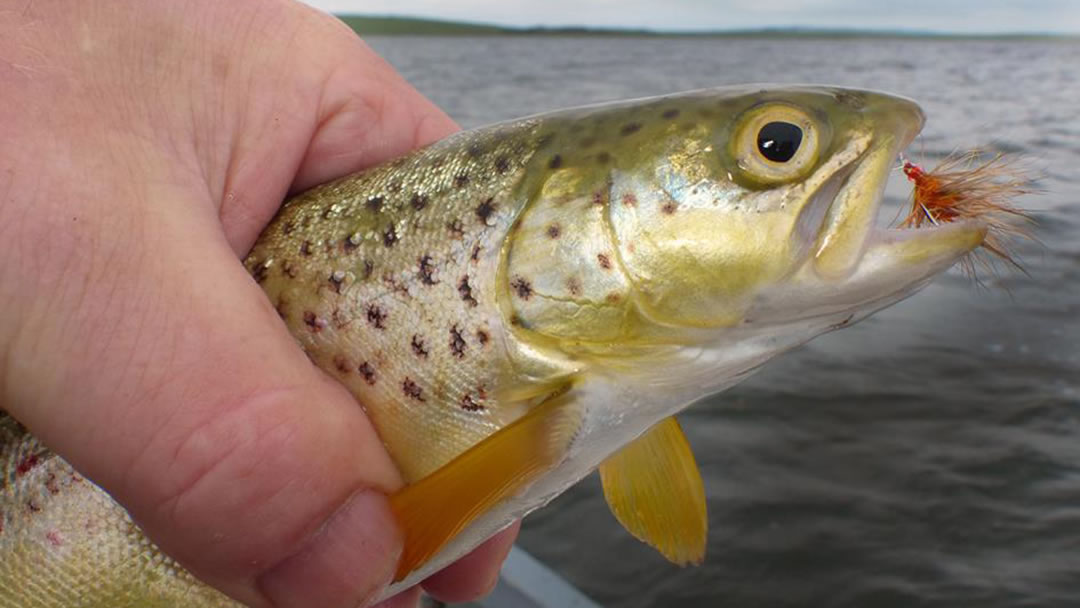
<point>54,538</point>
<point>342,364</point>
<point>605,261</point>
<point>26,464</point>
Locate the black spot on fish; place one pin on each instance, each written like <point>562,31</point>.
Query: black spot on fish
<point>418,347</point>
<point>630,128</point>
<point>474,150</point>
<point>305,248</point>
<point>475,256</point>
<point>669,208</point>
<point>368,372</point>
<point>469,404</point>
<point>457,342</point>
<point>605,261</point>
<point>374,204</point>
<point>669,114</point>
<point>287,228</point>
<point>521,287</point>
<point>427,271</point>
<point>485,209</point>
<point>376,316</point>
<point>419,201</point>
<point>482,337</point>
<point>456,228</point>
<point>603,158</point>
<point>553,231</point>
<point>465,290</point>
<point>555,162</point>
<point>390,236</point>
<point>369,267</point>
<point>502,164</point>
<point>461,180</point>
<point>412,390</point>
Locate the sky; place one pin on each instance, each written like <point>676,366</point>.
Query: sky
<point>967,16</point>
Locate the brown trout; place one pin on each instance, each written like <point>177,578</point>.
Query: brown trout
<point>518,305</point>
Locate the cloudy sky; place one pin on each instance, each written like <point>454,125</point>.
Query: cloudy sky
<point>939,15</point>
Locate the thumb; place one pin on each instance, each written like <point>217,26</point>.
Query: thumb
<point>187,399</point>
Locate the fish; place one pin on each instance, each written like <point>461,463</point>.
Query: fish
<point>521,304</point>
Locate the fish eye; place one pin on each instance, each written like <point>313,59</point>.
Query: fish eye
<point>779,141</point>
<point>775,143</point>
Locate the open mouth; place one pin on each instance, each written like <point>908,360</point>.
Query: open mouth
<point>849,238</point>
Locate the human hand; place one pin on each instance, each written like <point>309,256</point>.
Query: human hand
<point>143,147</point>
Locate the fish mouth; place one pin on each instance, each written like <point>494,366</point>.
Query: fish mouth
<point>850,247</point>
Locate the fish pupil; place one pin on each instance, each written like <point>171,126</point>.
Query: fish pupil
<point>779,141</point>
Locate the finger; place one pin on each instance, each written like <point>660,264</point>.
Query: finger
<point>474,575</point>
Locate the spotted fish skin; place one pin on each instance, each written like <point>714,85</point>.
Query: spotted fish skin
<point>389,280</point>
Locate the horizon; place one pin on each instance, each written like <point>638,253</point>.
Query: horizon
<point>992,17</point>
<point>779,28</point>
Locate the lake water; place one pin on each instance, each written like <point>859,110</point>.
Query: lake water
<point>929,456</point>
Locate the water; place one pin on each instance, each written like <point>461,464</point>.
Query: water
<point>929,456</point>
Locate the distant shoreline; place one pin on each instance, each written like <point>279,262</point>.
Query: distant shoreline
<point>384,26</point>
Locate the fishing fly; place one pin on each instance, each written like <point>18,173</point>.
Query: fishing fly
<point>966,187</point>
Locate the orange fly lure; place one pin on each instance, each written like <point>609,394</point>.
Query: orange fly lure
<point>964,187</point>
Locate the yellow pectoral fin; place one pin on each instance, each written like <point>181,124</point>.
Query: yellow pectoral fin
<point>655,491</point>
<point>436,508</point>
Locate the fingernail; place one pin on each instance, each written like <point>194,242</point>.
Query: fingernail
<point>347,563</point>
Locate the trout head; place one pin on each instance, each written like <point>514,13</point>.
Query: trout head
<point>737,222</point>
